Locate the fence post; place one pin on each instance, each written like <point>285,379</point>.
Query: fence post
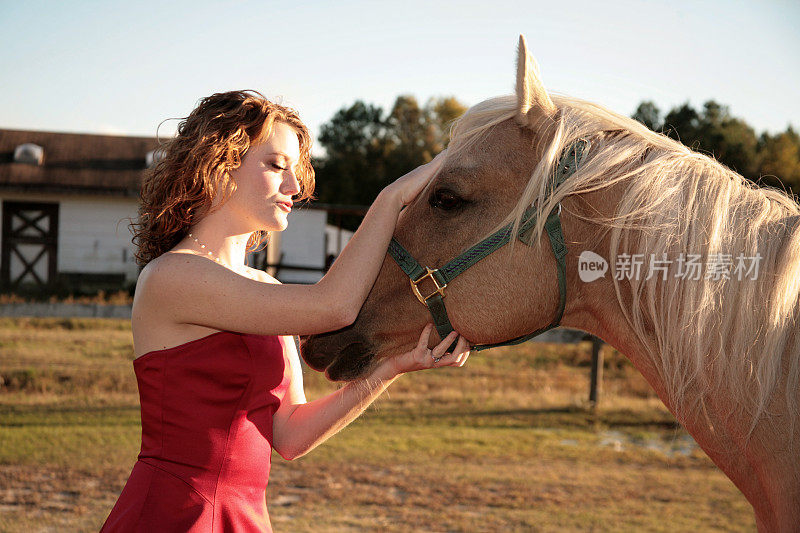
<point>597,372</point>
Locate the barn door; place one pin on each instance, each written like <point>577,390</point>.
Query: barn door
<point>29,246</point>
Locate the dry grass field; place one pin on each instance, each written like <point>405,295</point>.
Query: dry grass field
<point>507,443</point>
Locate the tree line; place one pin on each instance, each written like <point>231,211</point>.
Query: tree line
<point>766,159</point>
<point>366,148</point>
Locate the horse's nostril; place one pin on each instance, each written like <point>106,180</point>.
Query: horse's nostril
<point>316,361</point>
<point>340,356</point>
<point>313,354</point>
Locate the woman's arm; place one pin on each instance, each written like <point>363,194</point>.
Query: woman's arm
<point>189,289</point>
<point>299,427</point>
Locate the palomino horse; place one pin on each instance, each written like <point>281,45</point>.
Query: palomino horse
<point>696,272</point>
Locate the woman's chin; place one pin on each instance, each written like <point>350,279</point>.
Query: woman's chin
<point>278,223</point>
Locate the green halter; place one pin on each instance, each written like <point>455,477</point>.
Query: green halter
<point>434,299</point>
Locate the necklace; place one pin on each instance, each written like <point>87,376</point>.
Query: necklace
<point>212,256</point>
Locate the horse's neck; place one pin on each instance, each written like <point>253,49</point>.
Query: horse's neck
<point>744,458</point>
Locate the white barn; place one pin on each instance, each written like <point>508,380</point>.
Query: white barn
<point>65,201</point>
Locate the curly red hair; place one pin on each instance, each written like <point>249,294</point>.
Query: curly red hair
<point>196,166</point>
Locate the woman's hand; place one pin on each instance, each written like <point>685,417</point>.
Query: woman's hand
<point>298,428</point>
<point>407,187</point>
<point>422,358</point>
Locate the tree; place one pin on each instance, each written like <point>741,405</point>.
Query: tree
<point>779,159</point>
<point>417,133</point>
<point>353,171</point>
<point>410,134</point>
<point>730,140</point>
<point>648,114</point>
<point>770,159</point>
<point>683,124</point>
<point>442,112</point>
<point>365,151</point>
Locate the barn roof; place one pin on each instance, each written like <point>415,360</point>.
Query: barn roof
<point>75,163</point>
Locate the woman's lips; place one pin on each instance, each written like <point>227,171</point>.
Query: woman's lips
<point>286,206</point>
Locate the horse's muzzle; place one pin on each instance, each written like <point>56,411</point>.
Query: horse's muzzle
<point>343,355</point>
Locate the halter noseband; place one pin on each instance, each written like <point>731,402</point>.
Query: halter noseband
<point>433,297</point>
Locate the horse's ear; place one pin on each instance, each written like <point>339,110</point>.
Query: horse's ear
<point>533,102</point>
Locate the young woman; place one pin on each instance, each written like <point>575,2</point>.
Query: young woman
<point>220,381</point>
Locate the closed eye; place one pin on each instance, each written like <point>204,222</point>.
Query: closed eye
<point>277,166</point>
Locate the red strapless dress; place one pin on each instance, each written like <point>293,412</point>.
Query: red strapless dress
<point>207,408</point>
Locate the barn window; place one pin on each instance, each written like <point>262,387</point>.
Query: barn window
<point>29,153</point>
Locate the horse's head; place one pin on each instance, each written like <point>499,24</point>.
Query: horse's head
<point>720,350</point>
<point>498,159</point>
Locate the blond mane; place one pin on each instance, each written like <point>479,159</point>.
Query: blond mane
<point>705,335</point>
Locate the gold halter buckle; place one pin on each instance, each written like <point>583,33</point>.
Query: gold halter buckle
<point>429,274</point>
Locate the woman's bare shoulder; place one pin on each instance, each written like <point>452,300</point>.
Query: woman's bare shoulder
<point>170,260</point>
<point>152,316</point>
<point>179,264</point>
<point>169,270</point>
<point>260,275</point>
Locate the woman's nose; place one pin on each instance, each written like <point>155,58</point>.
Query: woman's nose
<point>290,184</point>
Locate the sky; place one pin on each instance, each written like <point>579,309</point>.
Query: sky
<point>115,67</point>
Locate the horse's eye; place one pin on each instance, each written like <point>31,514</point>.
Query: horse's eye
<point>446,200</point>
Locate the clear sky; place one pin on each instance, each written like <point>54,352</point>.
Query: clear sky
<point>123,67</point>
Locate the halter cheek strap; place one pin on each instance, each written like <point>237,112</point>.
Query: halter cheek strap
<point>428,284</point>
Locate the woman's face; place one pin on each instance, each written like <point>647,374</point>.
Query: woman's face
<point>266,180</point>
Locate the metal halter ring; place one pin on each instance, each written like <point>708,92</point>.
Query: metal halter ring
<point>428,274</point>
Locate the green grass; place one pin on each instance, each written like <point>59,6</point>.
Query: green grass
<point>507,443</point>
